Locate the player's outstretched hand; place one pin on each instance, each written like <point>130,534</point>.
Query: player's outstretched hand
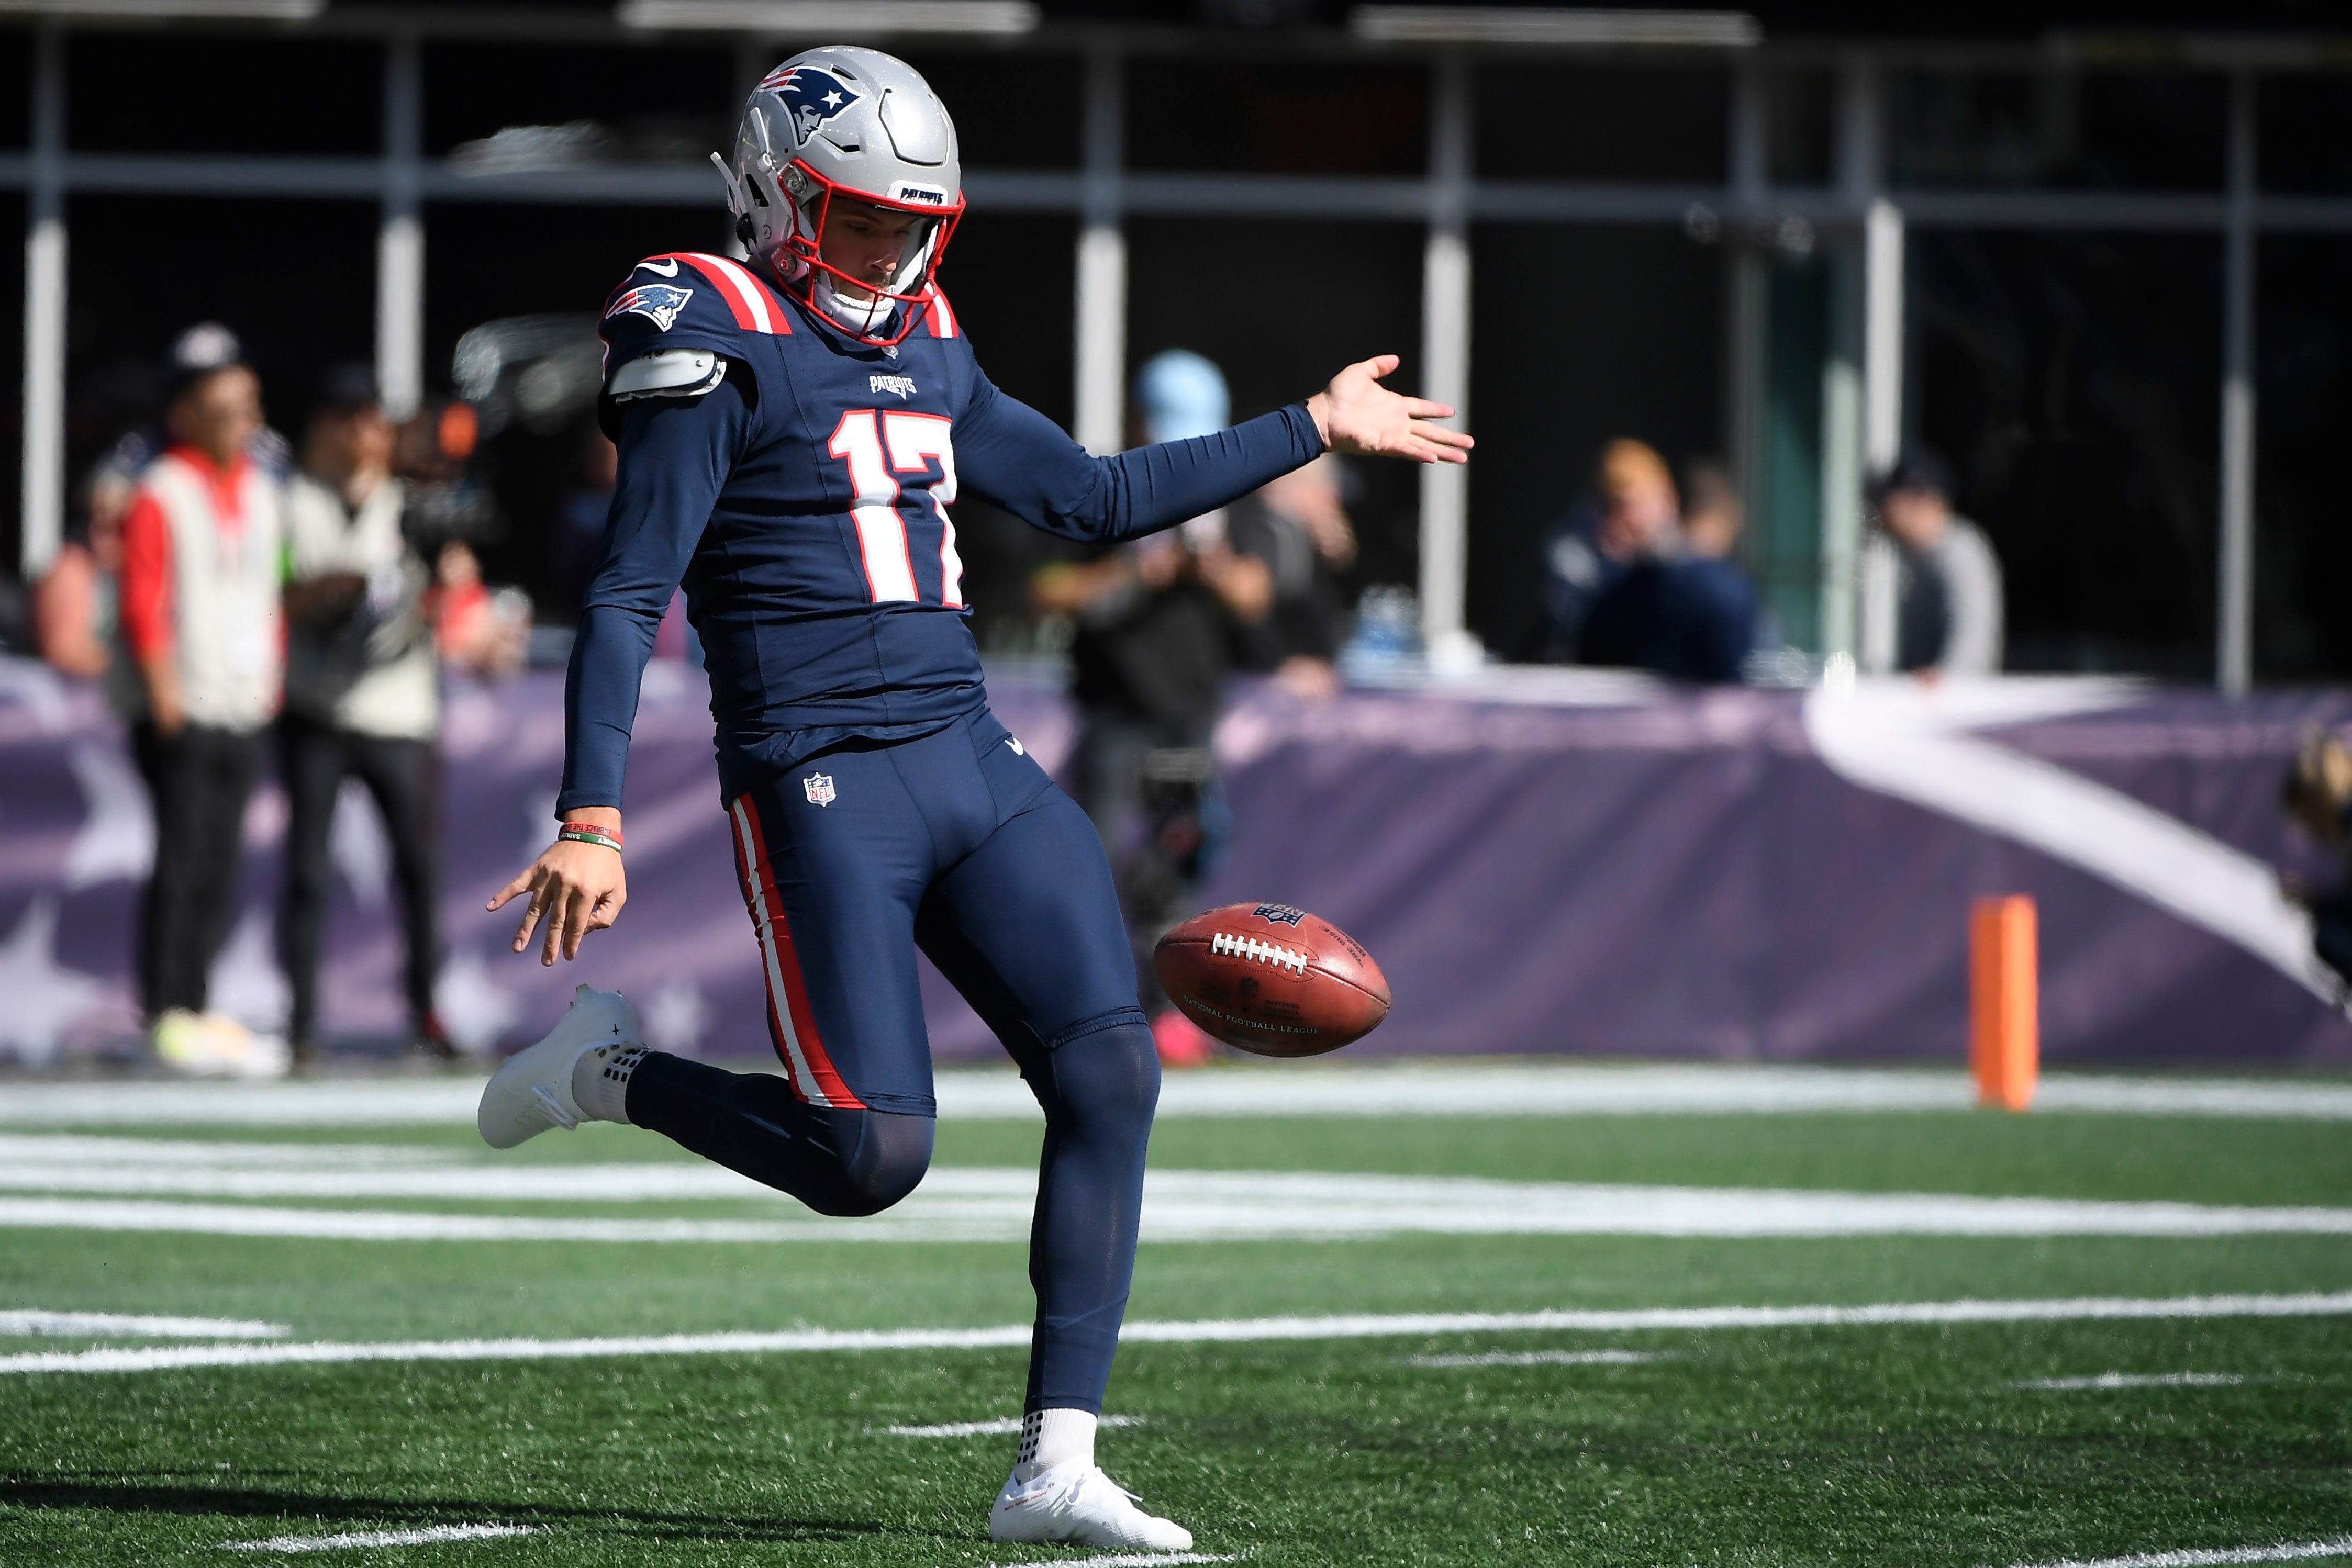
<point>1357,415</point>
<point>577,887</point>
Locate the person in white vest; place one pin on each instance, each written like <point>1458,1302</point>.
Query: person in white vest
<point>363,690</point>
<point>200,615</point>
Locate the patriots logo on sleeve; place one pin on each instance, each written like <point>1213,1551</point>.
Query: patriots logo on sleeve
<point>814,96</point>
<point>660,302</point>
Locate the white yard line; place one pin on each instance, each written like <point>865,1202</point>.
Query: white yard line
<point>2339,1547</point>
<point>2133,1380</point>
<point>432,1535</point>
<point>1231,1330</point>
<point>1132,1560</point>
<point>993,1204</point>
<point>1001,1426</point>
<point>1356,1089</point>
<point>1541,1358</point>
<point>124,1325</point>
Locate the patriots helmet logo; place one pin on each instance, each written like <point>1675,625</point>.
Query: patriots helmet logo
<point>660,302</point>
<point>814,96</point>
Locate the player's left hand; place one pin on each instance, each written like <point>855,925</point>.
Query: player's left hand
<point>1358,415</point>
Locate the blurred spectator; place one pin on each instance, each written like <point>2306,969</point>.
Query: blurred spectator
<point>2317,796</point>
<point>1634,519</point>
<point>1156,622</point>
<point>1688,614</point>
<point>448,517</point>
<point>201,544</point>
<point>76,606</point>
<point>363,690</point>
<point>1931,594</point>
<point>114,478</point>
<point>1299,526</point>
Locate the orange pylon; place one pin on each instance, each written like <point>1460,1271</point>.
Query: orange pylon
<point>2004,1002</point>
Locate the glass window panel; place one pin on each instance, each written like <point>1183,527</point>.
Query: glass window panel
<point>1798,108</point>
<point>1546,122</point>
<point>16,87</point>
<point>2305,133</point>
<point>1306,117</point>
<point>2303,551</point>
<point>1189,287</point>
<point>2072,381</point>
<point>1636,312</point>
<point>314,306</point>
<point>1001,129</point>
<point>487,261</point>
<point>638,103</point>
<point>196,92</point>
<point>2095,130</point>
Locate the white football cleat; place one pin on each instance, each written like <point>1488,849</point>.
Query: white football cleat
<point>1076,1503</point>
<point>532,1090</point>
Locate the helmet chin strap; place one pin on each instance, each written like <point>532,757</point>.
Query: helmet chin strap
<point>865,315</point>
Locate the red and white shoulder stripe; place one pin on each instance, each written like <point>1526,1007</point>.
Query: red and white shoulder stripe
<point>753,304</point>
<point>940,319</point>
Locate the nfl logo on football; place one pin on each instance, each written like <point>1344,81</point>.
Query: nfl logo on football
<point>818,788</point>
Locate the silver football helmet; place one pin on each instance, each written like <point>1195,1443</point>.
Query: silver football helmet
<point>856,123</point>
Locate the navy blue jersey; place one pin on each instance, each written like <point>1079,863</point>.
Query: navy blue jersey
<point>803,502</point>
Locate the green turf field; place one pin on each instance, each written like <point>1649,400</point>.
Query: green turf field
<point>1654,1446</point>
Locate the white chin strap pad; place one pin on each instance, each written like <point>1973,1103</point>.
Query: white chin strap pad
<point>668,372</point>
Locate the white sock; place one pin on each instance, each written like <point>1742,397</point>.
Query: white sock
<point>600,1080</point>
<point>1051,1437</point>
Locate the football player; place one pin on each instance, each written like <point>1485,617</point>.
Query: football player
<point>794,429</point>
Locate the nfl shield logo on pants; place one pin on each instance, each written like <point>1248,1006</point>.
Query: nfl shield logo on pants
<point>818,787</point>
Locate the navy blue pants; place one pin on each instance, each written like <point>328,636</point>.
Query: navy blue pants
<point>957,843</point>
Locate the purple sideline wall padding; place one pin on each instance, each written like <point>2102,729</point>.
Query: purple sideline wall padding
<point>1683,875</point>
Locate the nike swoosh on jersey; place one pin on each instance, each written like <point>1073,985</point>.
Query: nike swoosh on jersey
<point>668,271</point>
<point>1017,750</point>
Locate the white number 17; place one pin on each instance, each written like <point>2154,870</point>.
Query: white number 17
<point>911,440</point>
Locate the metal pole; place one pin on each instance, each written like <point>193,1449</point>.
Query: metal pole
<point>1882,334</point>
<point>1844,395</point>
<point>2234,655</point>
<point>1101,367</point>
<point>44,473</point>
<point>400,241</point>
<point>1445,367</point>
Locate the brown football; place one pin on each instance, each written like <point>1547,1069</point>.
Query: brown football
<point>1268,978</point>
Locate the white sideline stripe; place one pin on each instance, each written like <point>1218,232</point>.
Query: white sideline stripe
<point>432,1535</point>
<point>108,1325</point>
<point>1371,1089</point>
<point>1001,1426</point>
<point>1541,1358</point>
<point>2134,1380</point>
<point>1132,1560</point>
<point>2339,1547</point>
<point>995,1204</point>
<point>1229,1331</point>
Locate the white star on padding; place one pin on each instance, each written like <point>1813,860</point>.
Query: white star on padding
<point>45,999</point>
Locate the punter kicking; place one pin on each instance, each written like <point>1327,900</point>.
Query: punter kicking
<point>792,430</point>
